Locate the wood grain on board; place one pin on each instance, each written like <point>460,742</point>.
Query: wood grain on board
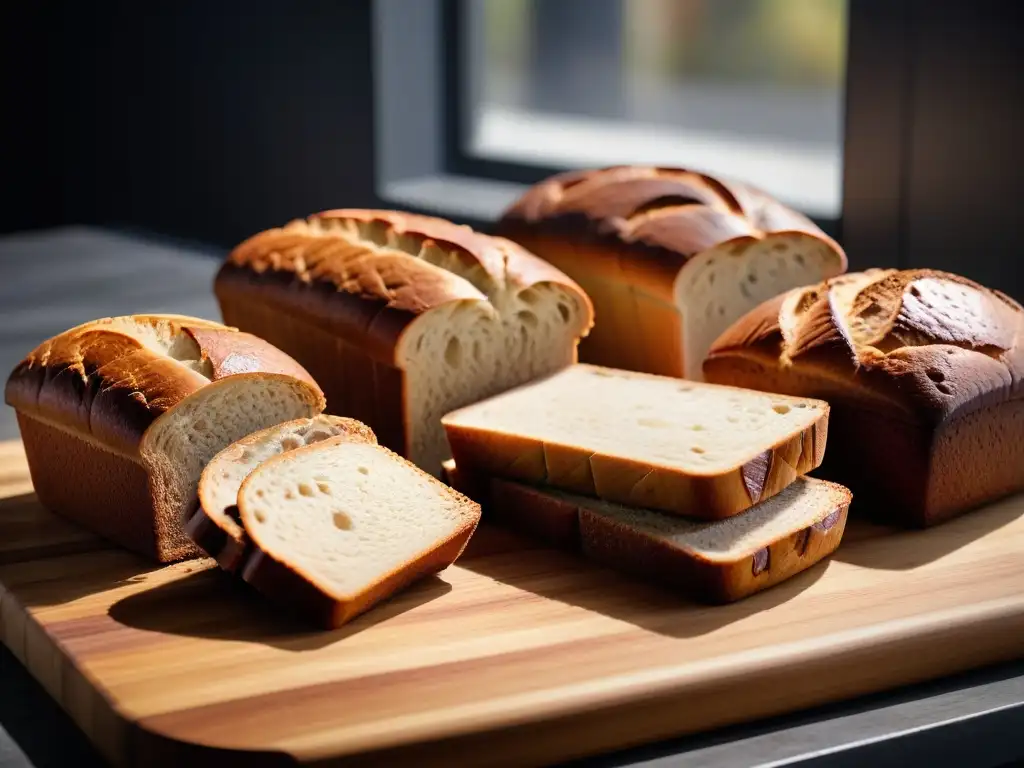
<point>518,655</point>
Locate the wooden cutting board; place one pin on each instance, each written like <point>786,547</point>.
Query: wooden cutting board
<point>519,655</point>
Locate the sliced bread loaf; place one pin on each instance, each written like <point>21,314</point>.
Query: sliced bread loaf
<point>684,447</point>
<point>215,526</point>
<point>338,526</point>
<point>715,562</point>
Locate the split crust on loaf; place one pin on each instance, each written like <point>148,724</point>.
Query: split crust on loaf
<point>606,468</point>
<point>96,401</point>
<point>924,371</point>
<point>402,317</point>
<point>283,579</point>
<point>602,533</point>
<point>670,257</point>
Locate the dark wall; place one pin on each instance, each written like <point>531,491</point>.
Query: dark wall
<point>202,120</point>
<point>965,163</point>
<point>935,107</point>
<point>212,120</point>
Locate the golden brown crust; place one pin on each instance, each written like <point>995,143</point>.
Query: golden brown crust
<point>628,234</point>
<point>106,381</point>
<point>923,371</point>
<point>926,345</point>
<point>365,275</point>
<point>94,391</point>
<point>675,211</point>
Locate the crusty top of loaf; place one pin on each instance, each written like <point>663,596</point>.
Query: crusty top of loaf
<point>109,379</point>
<point>366,274</point>
<point>928,344</point>
<point>678,211</point>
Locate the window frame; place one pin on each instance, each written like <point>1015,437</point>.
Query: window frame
<point>422,164</point>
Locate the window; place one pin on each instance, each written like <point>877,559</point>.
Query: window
<point>751,89</point>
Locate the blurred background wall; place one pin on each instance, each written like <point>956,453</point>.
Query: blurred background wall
<point>209,121</point>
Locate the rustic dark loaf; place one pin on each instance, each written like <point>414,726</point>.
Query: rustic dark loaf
<point>120,415</point>
<point>402,318</point>
<point>923,370</point>
<point>669,257</point>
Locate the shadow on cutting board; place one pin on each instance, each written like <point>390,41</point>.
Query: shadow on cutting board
<point>213,605</point>
<point>896,549</point>
<point>568,578</point>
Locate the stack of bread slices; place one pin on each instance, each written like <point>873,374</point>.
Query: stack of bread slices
<point>698,486</point>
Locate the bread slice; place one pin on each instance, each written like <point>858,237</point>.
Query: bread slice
<point>648,441</point>
<point>338,526</point>
<point>215,526</point>
<point>714,562</point>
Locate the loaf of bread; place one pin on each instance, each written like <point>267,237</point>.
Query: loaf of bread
<point>714,562</point>
<point>339,525</point>
<point>215,526</point>
<point>688,448</point>
<point>669,257</point>
<point>402,318</point>
<point>924,372</point>
<point>120,415</point>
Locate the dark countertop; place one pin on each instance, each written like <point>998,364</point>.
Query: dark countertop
<point>50,281</point>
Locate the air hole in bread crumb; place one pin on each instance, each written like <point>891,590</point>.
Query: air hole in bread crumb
<point>364,470</point>
<point>477,351</point>
<point>605,374</point>
<point>653,423</point>
<point>936,375</point>
<point>563,310</point>
<point>290,443</point>
<point>733,419</point>
<point>260,517</point>
<point>289,494</point>
<point>324,488</point>
<point>944,389</point>
<point>527,318</point>
<point>342,521</point>
<point>697,427</point>
<point>782,410</point>
<point>306,489</point>
<point>528,296</point>
<point>685,388</point>
<point>798,258</point>
<point>721,311</point>
<point>200,426</point>
<point>453,352</point>
<point>259,493</point>
<point>752,278</point>
<point>697,449</point>
<point>711,278</point>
